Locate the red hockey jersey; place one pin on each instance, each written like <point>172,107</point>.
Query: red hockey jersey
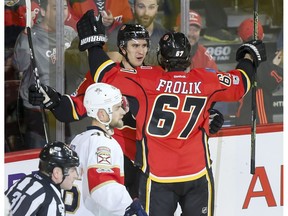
<point>173,117</point>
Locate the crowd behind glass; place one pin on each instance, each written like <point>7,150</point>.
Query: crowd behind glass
<point>76,64</point>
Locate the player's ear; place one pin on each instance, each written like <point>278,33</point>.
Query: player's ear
<point>102,115</point>
<point>57,174</point>
<point>123,50</point>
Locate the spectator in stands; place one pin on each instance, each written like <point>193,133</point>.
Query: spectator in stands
<point>268,80</point>
<point>15,19</point>
<point>200,57</point>
<point>44,43</point>
<point>215,17</point>
<point>116,12</point>
<point>145,12</point>
<point>10,71</point>
<point>217,23</point>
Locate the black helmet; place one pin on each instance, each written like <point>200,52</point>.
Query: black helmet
<point>128,32</point>
<point>57,154</point>
<point>174,51</point>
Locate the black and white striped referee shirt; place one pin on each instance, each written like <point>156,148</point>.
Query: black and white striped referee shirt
<point>35,194</point>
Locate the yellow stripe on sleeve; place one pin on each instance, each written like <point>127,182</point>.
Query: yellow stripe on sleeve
<point>101,68</point>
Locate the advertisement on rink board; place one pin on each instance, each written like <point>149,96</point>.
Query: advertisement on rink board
<point>225,53</point>
<point>238,193</point>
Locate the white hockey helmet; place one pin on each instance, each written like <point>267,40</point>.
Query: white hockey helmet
<point>101,96</point>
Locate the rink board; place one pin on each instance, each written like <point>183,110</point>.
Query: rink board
<point>238,192</point>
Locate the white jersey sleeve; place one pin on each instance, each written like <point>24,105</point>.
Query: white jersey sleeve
<point>102,165</point>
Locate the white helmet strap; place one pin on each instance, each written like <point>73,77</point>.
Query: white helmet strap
<point>110,131</point>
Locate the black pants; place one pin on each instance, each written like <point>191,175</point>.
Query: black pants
<point>196,197</point>
<point>132,175</point>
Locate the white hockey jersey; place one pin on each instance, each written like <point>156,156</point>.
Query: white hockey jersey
<point>102,171</point>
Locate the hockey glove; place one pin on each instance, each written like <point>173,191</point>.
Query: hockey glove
<point>91,31</point>
<point>255,48</point>
<point>216,121</point>
<point>135,209</point>
<point>45,95</point>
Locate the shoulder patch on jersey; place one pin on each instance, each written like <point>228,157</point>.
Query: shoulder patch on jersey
<point>125,70</point>
<point>210,70</point>
<point>103,155</point>
<point>236,80</point>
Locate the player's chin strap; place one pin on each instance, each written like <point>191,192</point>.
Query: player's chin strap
<point>127,59</point>
<point>109,130</point>
<point>65,173</point>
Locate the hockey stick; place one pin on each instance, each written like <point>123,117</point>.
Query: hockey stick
<point>253,102</point>
<point>34,66</point>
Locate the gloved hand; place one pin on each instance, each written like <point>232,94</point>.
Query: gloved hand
<point>135,208</point>
<point>216,121</point>
<point>255,48</point>
<point>91,31</point>
<point>46,96</point>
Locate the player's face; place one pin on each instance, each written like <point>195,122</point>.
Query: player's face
<point>136,51</point>
<point>145,11</point>
<point>117,116</point>
<point>193,34</point>
<point>68,181</point>
<point>50,14</point>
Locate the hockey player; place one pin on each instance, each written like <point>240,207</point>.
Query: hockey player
<point>40,193</point>
<point>133,43</point>
<point>173,115</point>
<point>101,157</point>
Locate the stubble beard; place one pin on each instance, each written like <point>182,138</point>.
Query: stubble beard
<point>118,124</point>
<point>146,23</point>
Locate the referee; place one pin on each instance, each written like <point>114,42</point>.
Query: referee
<point>40,193</point>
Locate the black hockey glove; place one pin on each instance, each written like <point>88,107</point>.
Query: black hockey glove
<point>91,31</point>
<point>46,96</point>
<point>216,121</point>
<point>135,209</point>
<point>255,48</point>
